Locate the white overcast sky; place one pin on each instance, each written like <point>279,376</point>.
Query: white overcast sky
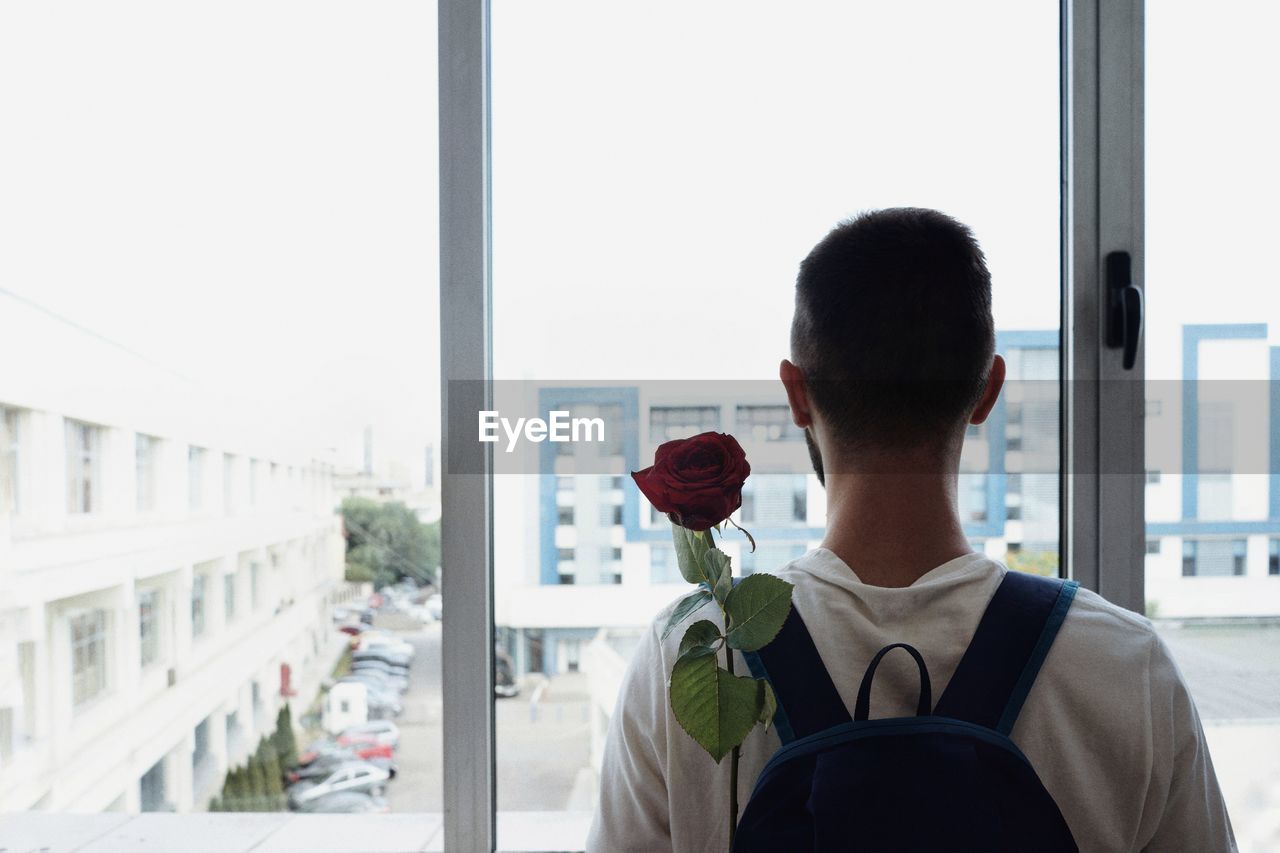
<point>246,191</point>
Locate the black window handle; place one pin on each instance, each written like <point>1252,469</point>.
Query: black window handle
<point>1124,307</point>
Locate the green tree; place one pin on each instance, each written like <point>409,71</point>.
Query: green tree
<point>231,791</point>
<point>284,740</point>
<point>386,542</point>
<point>271,776</point>
<point>257,786</point>
<point>215,805</point>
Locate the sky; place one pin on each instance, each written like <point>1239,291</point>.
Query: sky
<point>246,191</point>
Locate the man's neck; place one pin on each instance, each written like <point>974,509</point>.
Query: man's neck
<point>893,528</point>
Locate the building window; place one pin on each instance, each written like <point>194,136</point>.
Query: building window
<point>663,564</point>
<point>564,515</point>
<point>615,483</point>
<point>1153,478</point>
<point>1153,546</point>
<point>146,453</point>
<point>1213,557</point>
<point>197,604</point>
<point>775,500</point>
<point>767,423</point>
<point>148,626</point>
<point>229,595</point>
<point>564,555</point>
<point>253,482</point>
<point>83,446</point>
<point>566,579</point>
<point>770,556</point>
<point>200,754</point>
<point>671,422</point>
<point>152,789</point>
<point>228,483</point>
<point>10,459</point>
<point>1273,557</point>
<point>608,554</point>
<point>255,593</point>
<point>611,420</point>
<point>610,514</point>
<point>88,656</point>
<point>195,476</point>
<point>564,483</point>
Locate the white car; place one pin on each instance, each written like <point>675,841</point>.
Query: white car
<point>379,731</point>
<point>370,640</point>
<point>436,605</point>
<point>354,776</point>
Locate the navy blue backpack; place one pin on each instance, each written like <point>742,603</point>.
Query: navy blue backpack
<point>947,779</point>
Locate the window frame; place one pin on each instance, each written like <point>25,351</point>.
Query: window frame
<point>1102,532</point>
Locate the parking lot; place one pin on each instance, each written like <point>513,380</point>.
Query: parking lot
<point>542,751</point>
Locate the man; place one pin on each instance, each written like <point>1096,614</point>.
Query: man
<point>892,357</point>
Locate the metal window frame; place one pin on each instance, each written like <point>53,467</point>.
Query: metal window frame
<point>1103,517</point>
<point>1103,530</point>
<point>466,387</point>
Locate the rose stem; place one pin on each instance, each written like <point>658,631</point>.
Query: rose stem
<point>733,756</point>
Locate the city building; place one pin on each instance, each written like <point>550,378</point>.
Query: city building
<point>165,580</point>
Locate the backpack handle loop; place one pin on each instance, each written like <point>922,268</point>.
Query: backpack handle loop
<point>863,706</point>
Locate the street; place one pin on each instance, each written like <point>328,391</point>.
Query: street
<point>542,751</point>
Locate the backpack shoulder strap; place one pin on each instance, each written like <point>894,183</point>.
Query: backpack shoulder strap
<point>808,701</point>
<point>1014,635</point>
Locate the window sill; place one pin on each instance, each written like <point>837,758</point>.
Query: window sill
<point>277,833</point>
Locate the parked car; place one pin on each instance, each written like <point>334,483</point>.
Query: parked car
<point>504,678</point>
<point>382,731</point>
<point>389,656</point>
<point>377,640</point>
<point>377,681</point>
<point>436,605</point>
<point>345,802</point>
<point>357,776</point>
<point>330,749</point>
<point>354,630</point>
<point>380,665</point>
<point>324,766</point>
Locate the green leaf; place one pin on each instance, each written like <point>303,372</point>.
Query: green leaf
<point>718,710</point>
<point>690,547</point>
<point>684,607</point>
<point>756,609</point>
<point>701,633</point>
<point>716,565</point>
<point>769,704</point>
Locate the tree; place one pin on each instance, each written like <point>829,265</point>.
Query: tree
<point>386,542</point>
<point>215,805</point>
<point>284,740</point>
<point>271,776</point>
<point>257,786</point>
<point>232,791</point>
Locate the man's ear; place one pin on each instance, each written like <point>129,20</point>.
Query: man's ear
<point>995,381</point>
<point>797,393</point>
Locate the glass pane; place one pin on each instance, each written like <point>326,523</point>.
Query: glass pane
<point>219,412</point>
<point>659,171</point>
<point>1213,411</point>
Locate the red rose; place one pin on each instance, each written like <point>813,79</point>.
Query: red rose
<point>696,481</point>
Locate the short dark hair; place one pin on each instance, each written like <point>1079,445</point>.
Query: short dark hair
<point>893,327</point>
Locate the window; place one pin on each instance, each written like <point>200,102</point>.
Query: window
<point>255,585</point>
<point>253,482</point>
<point>1213,557</point>
<point>83,476</point>
<point>663,565</point>
<point>195,477</point>
<point>148,626</point>
<point>775,500</point>
<point>197,604</point>
<point>1273,557</point>
<point>564,555</point>
<point>10,460</point>
<point>770,556</point>
<point>146,452</point>
<point>1153,478</point>
<point>152,789</point>
<point>228,483</point>
<point>611,554</point>
<point>767,423</point>
<point>564,484</point>
<point>88,656</point>
<point>229,593</point>
<point>564,515</point>
<point>670,422</point>
<point>1153,546</point>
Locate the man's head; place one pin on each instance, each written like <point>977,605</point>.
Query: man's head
<point>893,336</point>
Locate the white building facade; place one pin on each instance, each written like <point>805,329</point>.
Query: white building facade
<point>165,583</point>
